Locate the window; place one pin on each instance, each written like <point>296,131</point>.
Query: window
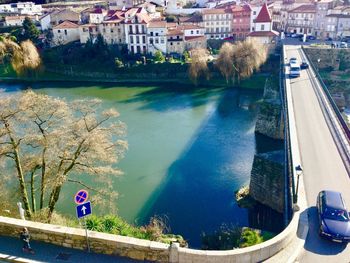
<point>262,27</point>
<point>157,41</point>
<point>131,40</point>
<point>137,40</point>
<point>151,34</point>
<point>143,39</point>
<point>171,43</point>
<point>157,34</point>
<point>191,32</point>
<point>130,29</point>
<point>58,31</point>
<point>254,13</point>
<point>112,30</point>
<point>151,41</point>
<point>138,49</point>
<point>162,40</point>
<point>197,31</point>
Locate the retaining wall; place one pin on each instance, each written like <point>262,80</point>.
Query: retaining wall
<point>144,249</point>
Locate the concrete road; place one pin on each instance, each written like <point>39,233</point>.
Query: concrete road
<point>322,164</point>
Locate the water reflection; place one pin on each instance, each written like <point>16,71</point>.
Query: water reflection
<point>197,194</point>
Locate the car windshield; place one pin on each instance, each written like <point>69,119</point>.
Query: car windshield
<point>336,214</point>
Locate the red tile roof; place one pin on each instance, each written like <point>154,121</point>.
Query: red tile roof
<point>195,38</point>
<point>263,34</point>
<point>157,24</point>
<point>97,11</point>
<point>240,8</point>
<point>66,24</point>
<point>264,15</point>
<point>216,11</point>
<point>174,32</point>
<point>304,9</point>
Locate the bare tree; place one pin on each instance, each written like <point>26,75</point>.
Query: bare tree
<point>240,60</point>
<point>225,61</point>
<point>199,67</point>
<point>51,142</point>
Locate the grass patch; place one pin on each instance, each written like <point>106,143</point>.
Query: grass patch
<point>154,231</point>
<point>256,81</point>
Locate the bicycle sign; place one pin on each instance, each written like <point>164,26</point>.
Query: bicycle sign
<point>81,196</point>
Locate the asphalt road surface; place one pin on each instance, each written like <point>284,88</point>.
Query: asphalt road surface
<point>322,164</point>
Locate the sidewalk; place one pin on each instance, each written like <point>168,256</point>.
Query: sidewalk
<point>11,251</point>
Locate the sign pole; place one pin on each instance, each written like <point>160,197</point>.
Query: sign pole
<point>87,237</point>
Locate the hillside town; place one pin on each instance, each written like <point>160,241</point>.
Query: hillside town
<point>173,27</point>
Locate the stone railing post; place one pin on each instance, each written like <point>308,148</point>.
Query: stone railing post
<point>174,252</point>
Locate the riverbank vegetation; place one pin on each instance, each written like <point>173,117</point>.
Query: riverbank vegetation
<point>78,62</point>
<point>156,230</point>
<point>231,237</point>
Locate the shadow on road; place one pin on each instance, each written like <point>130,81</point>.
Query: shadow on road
<point>317,245</point>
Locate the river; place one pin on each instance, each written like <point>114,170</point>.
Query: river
<point>189,150</point>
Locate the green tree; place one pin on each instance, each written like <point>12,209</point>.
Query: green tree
<point>29,30</point>
<point>47,142</point>
<point>159,57</point>
<point>186,56</point>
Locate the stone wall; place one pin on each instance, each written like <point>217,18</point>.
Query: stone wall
<point>147,250</point>
<point>99,242</point>
<point>270,121</point>
<point>267,179</point>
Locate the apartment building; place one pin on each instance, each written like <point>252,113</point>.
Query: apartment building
<point>157,35</point>
<point>240,21</point>
<point>217,23</point>
<point>301,20</point>
<point>136,21</point>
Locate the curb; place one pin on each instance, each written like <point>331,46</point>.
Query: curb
<point>8,258</point>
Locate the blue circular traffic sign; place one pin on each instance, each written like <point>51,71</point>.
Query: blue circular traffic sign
<point>81,196</point>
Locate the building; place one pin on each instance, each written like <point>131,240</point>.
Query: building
<point>97,15</point>
<point>320,28</point>
<point>21,8</point>
<point>328,27</point>
<point>64,33</point>
<point>157,35</point>
<point>14,20</point>
<point>194,36</point>
<point>136,21</point>
<point>301,20</point>
<point>217,23</point>
<point>337,26</point>
<point>58,16</point>
<point>240,21</point>
<point>45,21</point>
<point>113,29</point>
<point>175,41</point>
<point>87,32</point>
<point>262,27</point>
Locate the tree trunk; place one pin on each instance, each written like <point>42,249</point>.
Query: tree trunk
<point>43,170</point>
<point>53,199</point>
<point>22,184</point>
<point>32,190</point>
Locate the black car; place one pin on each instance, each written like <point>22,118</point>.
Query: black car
<point>304,65</point>
<point>333,217</point>
<point>311,37</point>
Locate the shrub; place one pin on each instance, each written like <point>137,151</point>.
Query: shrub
<point>250,237</point>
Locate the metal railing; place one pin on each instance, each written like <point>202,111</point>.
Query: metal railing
<point>289,184</point>
<point>341,144</point>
